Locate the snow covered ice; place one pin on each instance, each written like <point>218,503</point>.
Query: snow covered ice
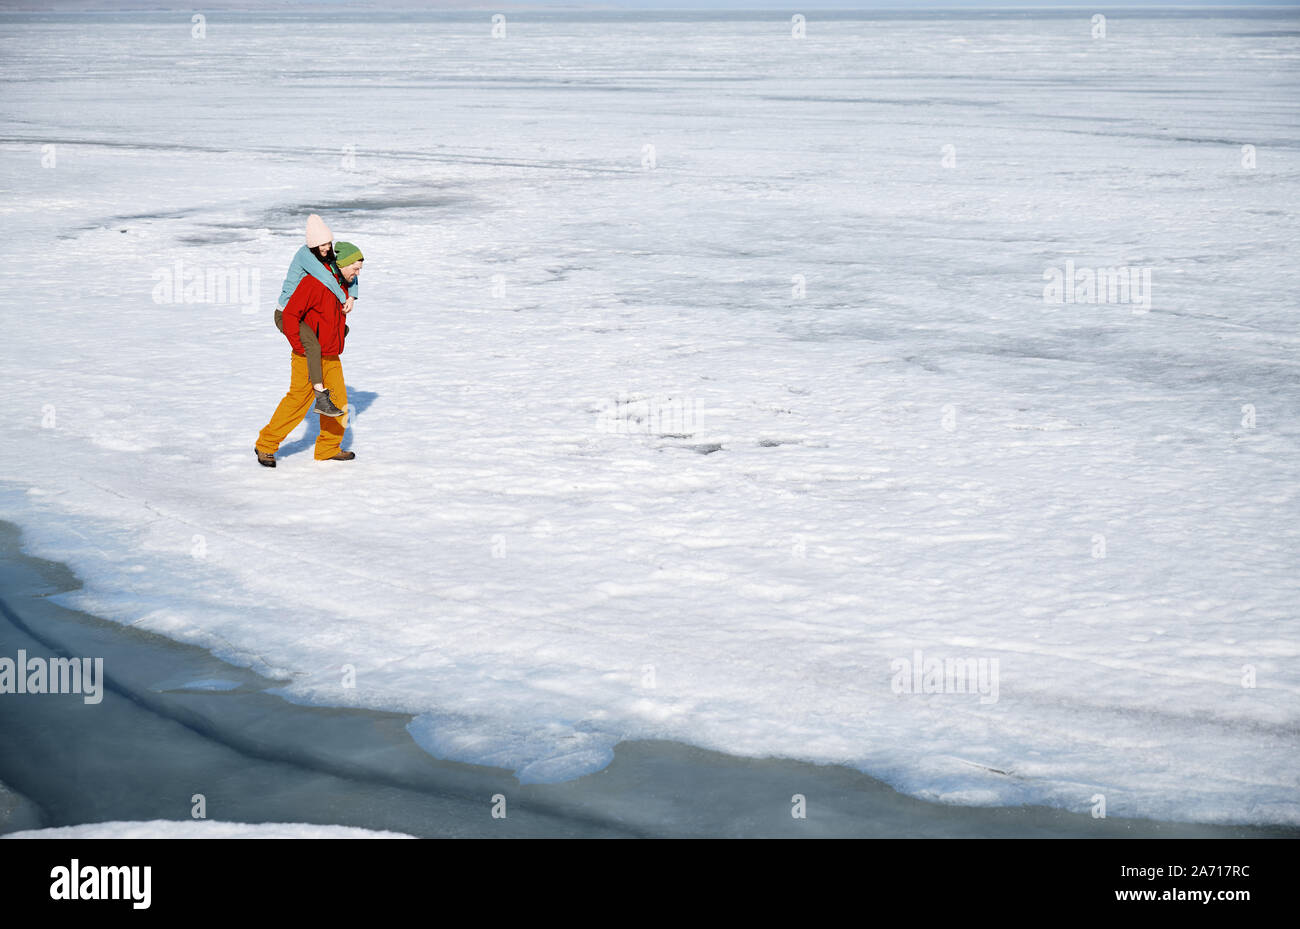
<point>205,829</point>
<point>702,377</point>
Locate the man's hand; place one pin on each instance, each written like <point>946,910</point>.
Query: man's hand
<point>347,306</point>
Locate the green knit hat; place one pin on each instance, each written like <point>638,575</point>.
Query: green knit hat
<point>345,253</point>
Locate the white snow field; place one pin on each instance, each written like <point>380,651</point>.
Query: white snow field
<point>203,829</point>
<point>618,476</point>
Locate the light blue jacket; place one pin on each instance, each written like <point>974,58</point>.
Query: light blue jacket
<point>304,263</point>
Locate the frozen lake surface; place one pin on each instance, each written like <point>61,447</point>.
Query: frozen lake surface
<point>180,732</point>
<point>702,377</point>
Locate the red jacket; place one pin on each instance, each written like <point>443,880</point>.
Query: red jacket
<point>315,304</point>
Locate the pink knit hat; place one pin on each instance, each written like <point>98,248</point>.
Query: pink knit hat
<point>317,232</point>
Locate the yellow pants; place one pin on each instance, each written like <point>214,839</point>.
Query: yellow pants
<point>299,400</point>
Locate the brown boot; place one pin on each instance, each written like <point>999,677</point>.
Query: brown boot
<point>265,460</point>
<point>341,456</point>
<point>325,405</point>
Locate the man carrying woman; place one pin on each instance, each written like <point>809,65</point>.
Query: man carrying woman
<point>313,319</point>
